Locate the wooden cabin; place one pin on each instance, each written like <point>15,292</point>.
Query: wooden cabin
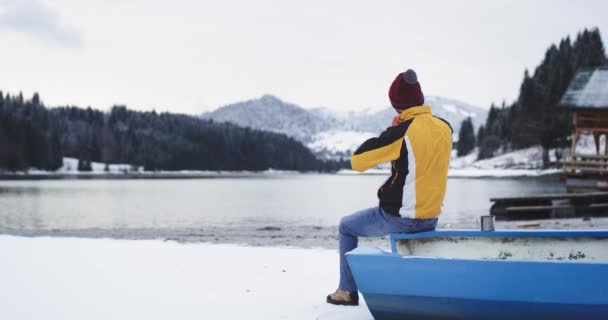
<point>587,97</point>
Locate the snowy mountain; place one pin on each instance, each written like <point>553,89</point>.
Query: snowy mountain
<point>453,111</point>
<point>331,133</point>
<point>272,114</point>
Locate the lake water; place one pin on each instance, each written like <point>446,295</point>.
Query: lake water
<point>300,209</point>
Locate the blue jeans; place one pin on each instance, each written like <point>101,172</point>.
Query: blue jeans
<point>372,222</point>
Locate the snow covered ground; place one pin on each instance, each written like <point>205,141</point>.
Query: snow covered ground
<point>530,158</point>
<point>70,166</point>
<point>518,163</point>
<point>524,162</point>
<point>98,169</point>
<point>67,278</point>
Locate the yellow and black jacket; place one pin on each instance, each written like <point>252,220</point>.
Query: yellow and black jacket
<point>419,149</point>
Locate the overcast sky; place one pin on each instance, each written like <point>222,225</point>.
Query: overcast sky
<point>191,56</point>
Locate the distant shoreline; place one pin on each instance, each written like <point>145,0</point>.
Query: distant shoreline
<point>465,173</point>
<point>142,175</point>
<point>474,173</point>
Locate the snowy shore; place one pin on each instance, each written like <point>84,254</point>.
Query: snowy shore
<point>513,164</point>
<point>61,278</point>
<point>281,235</point>
<point>520,163</point>
<point>473,172</point>
<point>69,170</point>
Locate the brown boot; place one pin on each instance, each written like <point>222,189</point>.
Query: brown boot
<point>343,298</point>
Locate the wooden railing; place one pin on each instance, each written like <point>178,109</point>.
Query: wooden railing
<point>585,164</point>
<point>551,206</point>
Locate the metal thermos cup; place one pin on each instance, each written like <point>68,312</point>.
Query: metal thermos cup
<point>487,223</point>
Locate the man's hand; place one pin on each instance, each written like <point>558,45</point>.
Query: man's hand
<point>396,121</point>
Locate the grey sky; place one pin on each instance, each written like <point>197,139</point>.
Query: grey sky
<point>191,55</point>
<point>33,18</point>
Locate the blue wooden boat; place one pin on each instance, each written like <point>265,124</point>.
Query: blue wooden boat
<point>467,274</point>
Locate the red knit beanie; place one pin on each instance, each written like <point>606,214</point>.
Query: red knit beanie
<point>405,91</point>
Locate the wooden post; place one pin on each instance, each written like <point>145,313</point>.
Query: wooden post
<point>574,138</point>
<point>604,161</point>
<point>596,139</point>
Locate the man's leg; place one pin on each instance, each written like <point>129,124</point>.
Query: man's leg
<point>365,223</point>
<point>372,222</point>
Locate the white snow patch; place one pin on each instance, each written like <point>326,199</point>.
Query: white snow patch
<point>595,91</point>
<point>464,161</point>
<point>70,278</point>
<point>526,159</point>
<point>454,109</point>
<point>450,108</point>
<point>70,165</point>
<point>339,140</point>
<point>467,114</point>
<point>586,145</point>
<point>530,160</point>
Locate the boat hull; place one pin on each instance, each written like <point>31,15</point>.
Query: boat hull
<point>391,307</point>
<point>410,287</point>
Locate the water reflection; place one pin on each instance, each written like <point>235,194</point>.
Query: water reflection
<point>313,200</point>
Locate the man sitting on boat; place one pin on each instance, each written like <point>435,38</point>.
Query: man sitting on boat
<point>418,145</point>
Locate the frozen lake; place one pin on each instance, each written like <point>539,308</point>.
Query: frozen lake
<point>283,209</point>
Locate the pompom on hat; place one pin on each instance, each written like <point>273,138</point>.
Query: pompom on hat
<point>405,91</point>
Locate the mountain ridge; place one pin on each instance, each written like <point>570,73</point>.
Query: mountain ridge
<point>330,133</point>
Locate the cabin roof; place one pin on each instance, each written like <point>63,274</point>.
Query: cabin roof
<point>588,90</point>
